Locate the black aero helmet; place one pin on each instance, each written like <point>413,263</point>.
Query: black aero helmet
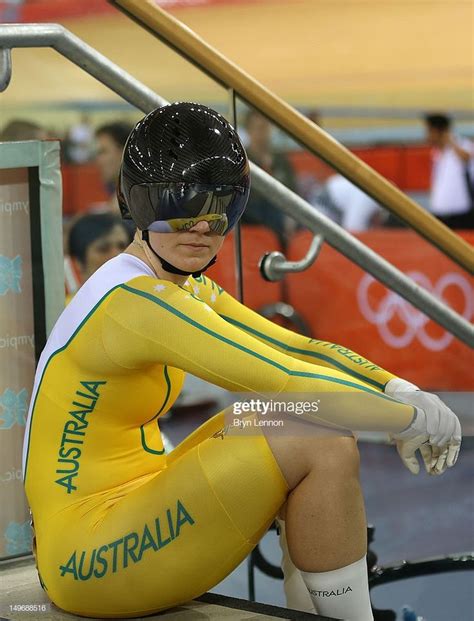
<point>183,163</point>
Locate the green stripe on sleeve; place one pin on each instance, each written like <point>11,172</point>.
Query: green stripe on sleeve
<point>246,350</point>
<point>304,352</point>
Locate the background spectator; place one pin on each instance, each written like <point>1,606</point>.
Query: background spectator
<point>94,239</point>
<point>314,116</point>
<point>20,129</point>
<point>80,141</point>
<point>358,211</point>
<point>110,141</point>
<point>312,185</point>
<point>338,198</point>
<point>259,148</point>
<point>452,181</point>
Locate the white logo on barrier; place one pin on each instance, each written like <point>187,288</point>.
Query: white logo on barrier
<point>14,407</point>
<point>392,305</point>
<point>10,274</point>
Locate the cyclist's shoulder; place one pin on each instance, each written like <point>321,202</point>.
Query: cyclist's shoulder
<point>203,284</point>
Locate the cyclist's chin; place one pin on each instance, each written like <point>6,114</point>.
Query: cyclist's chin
<point>192,263</point>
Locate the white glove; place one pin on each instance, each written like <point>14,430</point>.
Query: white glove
<point>436,430</point>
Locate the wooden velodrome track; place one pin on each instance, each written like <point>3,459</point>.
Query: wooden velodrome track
<point>394,53</point>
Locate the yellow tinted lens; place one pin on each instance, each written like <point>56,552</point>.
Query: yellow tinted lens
<point>216,222</point>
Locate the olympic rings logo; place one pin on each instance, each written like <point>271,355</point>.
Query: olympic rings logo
<point>392,305</point>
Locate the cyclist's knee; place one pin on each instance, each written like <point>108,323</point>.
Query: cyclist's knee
<point>333,456</point>
<point>336,457</point>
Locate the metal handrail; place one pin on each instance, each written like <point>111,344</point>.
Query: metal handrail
<point>84,56</point>
<point>5,69</point>
<point>184,41</point>
<point>274,265</point>
<point>360,254</point>
<point>133,91</point>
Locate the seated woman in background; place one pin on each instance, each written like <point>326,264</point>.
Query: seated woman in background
<point>93,239</point>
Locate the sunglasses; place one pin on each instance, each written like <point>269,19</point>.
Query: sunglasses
<point>171,207</point>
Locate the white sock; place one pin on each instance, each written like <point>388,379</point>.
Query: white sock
<point>342,593</point>
<point>296,593</point>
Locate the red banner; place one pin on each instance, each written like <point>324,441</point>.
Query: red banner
<point>344,304</point>
<point>182,4</point>
<point>54,10</point>
<point>36,11</point>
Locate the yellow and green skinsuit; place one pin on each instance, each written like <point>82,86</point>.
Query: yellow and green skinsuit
<point>121,528</point>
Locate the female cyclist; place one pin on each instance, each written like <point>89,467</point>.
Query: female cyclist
<point>121,528</point>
